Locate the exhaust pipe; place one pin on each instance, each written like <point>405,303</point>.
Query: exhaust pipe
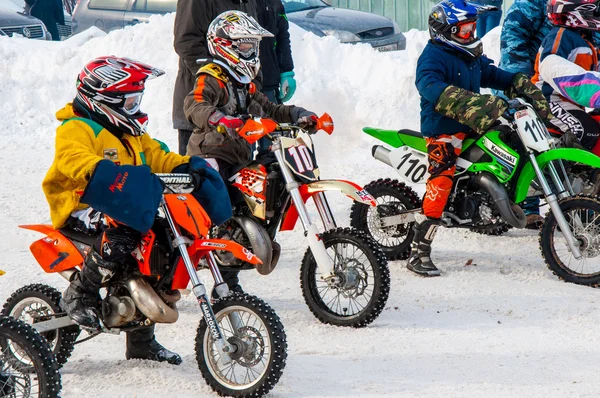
<point>149,302</point>
<point>382,154</point>
<point>511,213</point>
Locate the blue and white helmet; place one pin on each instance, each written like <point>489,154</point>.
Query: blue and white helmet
<point>454,23</point>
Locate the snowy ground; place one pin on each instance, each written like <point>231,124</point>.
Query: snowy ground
<point>505,327</point>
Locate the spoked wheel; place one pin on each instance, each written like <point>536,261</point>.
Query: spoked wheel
<point>392,198</point>
<point>37,303</point>
<point>357,294</point>
<point>35,374</point>
<point>256,332</point>
<point>583,216</point>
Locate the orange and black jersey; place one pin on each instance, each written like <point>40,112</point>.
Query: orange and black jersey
<point>570,45</point>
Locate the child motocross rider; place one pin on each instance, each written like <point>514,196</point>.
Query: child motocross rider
<point>566,69</point>
<point>450,73</point>
<point>224,94</point>
<point>103,164</point>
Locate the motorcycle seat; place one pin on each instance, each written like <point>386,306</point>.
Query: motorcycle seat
<point>411,133</point>
<point>79,236</point>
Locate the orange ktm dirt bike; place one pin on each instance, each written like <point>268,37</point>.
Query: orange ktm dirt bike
<point>35,373</point>
<point>241,346</point>
<point>344,274</point>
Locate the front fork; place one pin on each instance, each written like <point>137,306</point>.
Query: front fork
<point>553,202</point>
<point>181,242</point>
<point>317,247</point>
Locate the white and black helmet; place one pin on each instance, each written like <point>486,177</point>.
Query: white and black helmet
<point>234,37</point>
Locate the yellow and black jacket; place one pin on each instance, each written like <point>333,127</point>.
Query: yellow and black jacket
<point>80,144</point>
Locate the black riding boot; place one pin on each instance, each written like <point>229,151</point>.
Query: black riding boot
<point>420,260</point>
<point>141,344</point>
<point>232,280</point>
<point>81,300</point>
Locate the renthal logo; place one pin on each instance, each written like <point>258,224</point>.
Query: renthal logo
<point>176,180</point>
<point>502,154</point>
<point>210,320</point>
<point>213,244</point>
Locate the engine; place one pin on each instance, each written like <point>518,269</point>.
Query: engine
<point>118,310</point>
<point>474,207</point>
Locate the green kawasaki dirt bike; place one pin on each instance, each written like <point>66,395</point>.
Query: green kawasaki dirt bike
<point>515,159</point>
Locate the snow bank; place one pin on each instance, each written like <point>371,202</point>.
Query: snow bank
<point>505,327</point>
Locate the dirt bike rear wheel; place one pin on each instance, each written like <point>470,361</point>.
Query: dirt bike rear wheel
<point>392,197</point>
<point>583,216</point>
<point>38,302</point>
<point>39,379</point>
<point>262,348</point>
<point>364,287</point>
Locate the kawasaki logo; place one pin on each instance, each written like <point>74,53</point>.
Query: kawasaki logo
<point>501,153</point>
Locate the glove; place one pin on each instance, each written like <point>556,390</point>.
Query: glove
<point>479,112</point>
<point>231,124</point>
<point>287,86</point>
<point>522,86</point>
<point>307,120</point>
<point>210,190</point>
<point>129,194</point>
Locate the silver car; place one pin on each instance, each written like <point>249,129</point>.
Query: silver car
<point>349,26</point>
<point>19,6</point>
<point>115,14</point>
<point>13,22</point>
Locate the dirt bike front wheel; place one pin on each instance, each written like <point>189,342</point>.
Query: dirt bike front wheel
<point>583,216</point>
<point>36,374</point>
<point>392,198</point>
<point>37,303</point>
<point>254,329</point>
<point>360,289</point>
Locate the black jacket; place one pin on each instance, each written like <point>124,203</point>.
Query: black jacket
<point>50,12</point>
<point>275,52</point>
<point>191,23</point>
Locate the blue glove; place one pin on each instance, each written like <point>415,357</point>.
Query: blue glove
<point>129,194</point>
<point>212,192</point>
<point>288,86</point>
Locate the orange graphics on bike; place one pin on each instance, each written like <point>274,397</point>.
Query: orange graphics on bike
<point>54,252</point>
<point>252,182</point>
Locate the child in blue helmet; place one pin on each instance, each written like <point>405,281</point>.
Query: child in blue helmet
<point>450,73</point>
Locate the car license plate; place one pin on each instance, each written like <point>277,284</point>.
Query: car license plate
<point>389,47</point>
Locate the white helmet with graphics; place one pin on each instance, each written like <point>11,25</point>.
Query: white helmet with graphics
<point>234,37</point>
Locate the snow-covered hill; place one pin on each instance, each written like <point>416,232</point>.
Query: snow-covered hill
<point>503,327</point>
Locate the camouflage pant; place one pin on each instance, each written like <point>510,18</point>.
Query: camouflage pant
<point>442,152</point>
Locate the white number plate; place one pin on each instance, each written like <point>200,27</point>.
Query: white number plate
<point>532,131</point>
<point>411,165</point>
<point>389,47</point>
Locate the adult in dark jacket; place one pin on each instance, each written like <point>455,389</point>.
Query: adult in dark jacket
<point>276,52</point>
<point>50,12</point>
<point>450,73</point>
<point>489,19</point>
<point>191,24</point>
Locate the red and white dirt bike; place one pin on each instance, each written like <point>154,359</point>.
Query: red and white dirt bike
<point>344,275</point>
<point>241,346</point>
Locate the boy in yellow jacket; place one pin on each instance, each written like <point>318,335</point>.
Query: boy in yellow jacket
<point>104,164</point>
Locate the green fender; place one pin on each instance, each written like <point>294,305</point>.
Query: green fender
<point>569,154</point>
<point>394,139</point>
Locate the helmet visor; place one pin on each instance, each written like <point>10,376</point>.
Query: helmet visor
<point>132,102</point>
<point>466,30</point>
